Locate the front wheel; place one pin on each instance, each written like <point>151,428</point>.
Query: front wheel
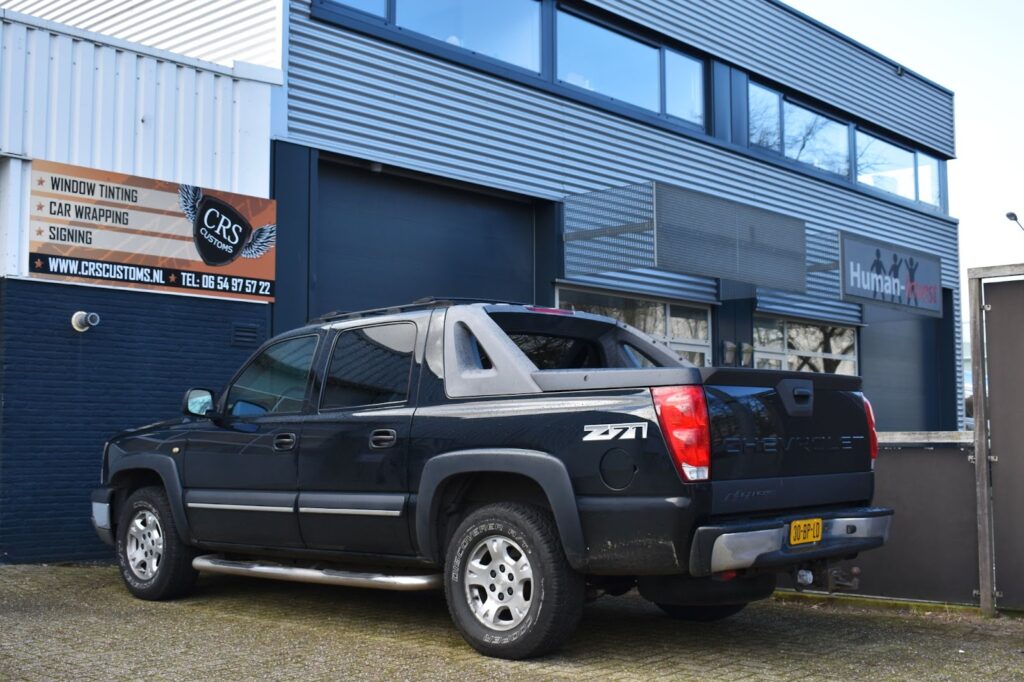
<point>509,587</point>
<point>703,613</point>
<point>155,564</point>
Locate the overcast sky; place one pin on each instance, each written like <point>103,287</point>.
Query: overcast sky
<point>976,49</point>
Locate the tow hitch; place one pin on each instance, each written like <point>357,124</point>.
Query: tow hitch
<point>825,577</point>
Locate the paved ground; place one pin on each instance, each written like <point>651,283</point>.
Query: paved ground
<point>79,623</point>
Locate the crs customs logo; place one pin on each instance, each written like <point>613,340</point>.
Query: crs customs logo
<point>222,234</point>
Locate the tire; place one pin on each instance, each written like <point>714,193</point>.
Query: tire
<point>706,613</point>
<point>548,593</point>
<point>155,564</point>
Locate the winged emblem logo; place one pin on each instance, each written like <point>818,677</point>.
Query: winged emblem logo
<point>221,234</point>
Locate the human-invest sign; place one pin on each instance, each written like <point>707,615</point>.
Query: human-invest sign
<point>886,274</point>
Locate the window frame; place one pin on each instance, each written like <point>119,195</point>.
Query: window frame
<point>784,99</point>
<point>310,378</point>
<point>547,78</point>
<point>612,28</point>
<point>365,406</point>
<point>786,352</point>
<point>723,134</point>
<point>674,343</point>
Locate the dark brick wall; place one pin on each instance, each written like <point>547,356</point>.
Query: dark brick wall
<point>64,393</point>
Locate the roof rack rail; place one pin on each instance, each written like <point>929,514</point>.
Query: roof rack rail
<point>418,304</point>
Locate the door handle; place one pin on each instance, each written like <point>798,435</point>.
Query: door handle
<point>383,438</point>
<point>284,441</point>
<point>802,394</point>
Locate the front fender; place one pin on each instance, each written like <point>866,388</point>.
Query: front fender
<point>547,471</point>
<point>166,468</point>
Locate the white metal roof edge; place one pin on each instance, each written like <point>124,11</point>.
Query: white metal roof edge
<point>240,70</point>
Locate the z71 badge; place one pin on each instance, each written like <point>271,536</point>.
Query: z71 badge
<point>615,431</point>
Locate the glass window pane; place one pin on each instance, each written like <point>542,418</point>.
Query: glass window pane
<point>928,179</point>
<point>806,363</point>
<point>885,166</point>
<point>647,316</point>
<point>275,382</point>
<point>684,87</point>
<point>816,139</point>
<point>378,7</point>
<point>767,363</point>
<point>688,323</point>
<point>370,366</point>
<point>601,60</point>
<point>695,357</point>
<point>763,117</point>
<point>768,333</point>
<point>508,30</point>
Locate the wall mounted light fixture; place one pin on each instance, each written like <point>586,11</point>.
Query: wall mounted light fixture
<point>83,321</point>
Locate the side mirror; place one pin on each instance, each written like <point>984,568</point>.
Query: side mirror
<point>198,402</point>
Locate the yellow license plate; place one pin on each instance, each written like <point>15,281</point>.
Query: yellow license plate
<point>804,531</point>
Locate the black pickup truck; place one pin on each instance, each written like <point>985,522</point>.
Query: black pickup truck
<point>523,459</point>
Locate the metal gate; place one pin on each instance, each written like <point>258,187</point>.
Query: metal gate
<point>1002,310</point>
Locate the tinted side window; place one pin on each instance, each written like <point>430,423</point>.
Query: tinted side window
<point>275,382</point>
<point>370,366</point>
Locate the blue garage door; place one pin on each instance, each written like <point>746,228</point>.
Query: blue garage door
<point>381,239</point>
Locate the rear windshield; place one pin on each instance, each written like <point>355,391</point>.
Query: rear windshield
<point>554,342</point>
<point>559,352</point>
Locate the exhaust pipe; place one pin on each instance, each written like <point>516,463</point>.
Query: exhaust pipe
<point>216,563</point>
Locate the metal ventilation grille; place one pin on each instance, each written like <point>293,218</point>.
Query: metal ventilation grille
<point>705,235</point>
<point>611,230</point>
<point>661,227</point>
<point>823,298</point>
<point>246,335</point>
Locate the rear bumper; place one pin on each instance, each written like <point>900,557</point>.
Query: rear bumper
<point>101,510</point>
<point>765,543</point>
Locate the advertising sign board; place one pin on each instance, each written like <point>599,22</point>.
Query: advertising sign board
<point>886,274</point>
<point>97,227</point>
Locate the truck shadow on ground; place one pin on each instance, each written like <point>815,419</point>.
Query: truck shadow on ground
<point>628,630</point>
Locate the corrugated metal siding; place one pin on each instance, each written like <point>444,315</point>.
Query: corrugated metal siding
<point>773,42</point>
<point>361,97</point>
<point>821,302</point>
<point>377,101</point>
<point>67,98</point>
<point>221,31</point>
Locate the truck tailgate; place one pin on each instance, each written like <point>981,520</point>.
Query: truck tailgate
<point>786,440</point>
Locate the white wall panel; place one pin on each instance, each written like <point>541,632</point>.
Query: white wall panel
<point>70,97</point>
<point>76,97</point>
<point>221,31</point>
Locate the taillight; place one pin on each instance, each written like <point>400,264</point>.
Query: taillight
<point>872,433</point>
<point>683,415</point>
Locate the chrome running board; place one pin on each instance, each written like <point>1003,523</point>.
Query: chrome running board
<point>215,563</point>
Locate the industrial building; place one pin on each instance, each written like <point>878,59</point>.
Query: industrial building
<point>738,180</point>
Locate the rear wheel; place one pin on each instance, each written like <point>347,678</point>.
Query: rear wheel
<point>155,564</point>
<point>509,587</point>
<point>703,613</point>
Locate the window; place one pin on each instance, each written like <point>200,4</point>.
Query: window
<point>559,352</point>
<point>377,7</point>
<point>928,179</point>
<point>684,87</point>
<point>600,60</point>
<point>275,382</point>
<point>804,347</point>
<point>885,166</point>
<point>508,30</point>
<point>764,117</point>
<point>797,132</point>
<point>370,366</point>
<point>816,140</point>
<point>685,329</point>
